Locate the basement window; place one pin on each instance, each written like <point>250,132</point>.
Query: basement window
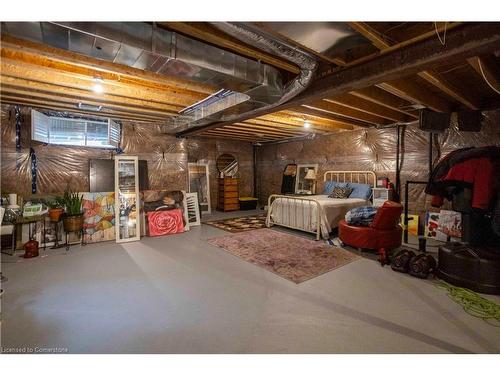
<point>74,132</point>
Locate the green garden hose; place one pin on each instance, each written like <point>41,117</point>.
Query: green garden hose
<point>473,303</point>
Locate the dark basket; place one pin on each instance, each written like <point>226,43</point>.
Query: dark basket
<point>73,223</point>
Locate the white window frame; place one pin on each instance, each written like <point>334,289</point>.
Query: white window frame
<point>41,123</point>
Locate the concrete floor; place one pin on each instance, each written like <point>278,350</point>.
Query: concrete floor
<point>178,294</point>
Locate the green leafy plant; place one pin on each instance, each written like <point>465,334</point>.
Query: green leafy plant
<point>56,202</point>
<point>73,203</point>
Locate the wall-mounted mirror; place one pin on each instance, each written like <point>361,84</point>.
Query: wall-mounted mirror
<point>228,165</point>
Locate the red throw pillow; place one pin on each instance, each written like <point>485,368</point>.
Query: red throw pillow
<point>388,216</point>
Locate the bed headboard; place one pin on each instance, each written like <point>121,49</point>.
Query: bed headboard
<point>362,177</point>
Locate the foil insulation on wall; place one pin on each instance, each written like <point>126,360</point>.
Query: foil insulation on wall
<point>206,150</point>
<point>60,167</point>
<point>372,149</point>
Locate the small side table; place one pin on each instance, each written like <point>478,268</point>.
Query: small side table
<point>381,195</point>
<point>20,220</point>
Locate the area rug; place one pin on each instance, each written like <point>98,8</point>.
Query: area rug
<point>295,258</point>
<point>240,224</point>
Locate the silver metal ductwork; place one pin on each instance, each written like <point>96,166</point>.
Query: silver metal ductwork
<point>266,42</point>
<point>145,46</point>
<point>270,44</point>
<point>148,47</point>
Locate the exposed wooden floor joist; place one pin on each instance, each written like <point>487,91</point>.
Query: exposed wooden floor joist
<point>411,70</point>
<point>42,76</point>
<point>430,76</point>
<point>488,69</point>
<point>463,41</point>
<point>416,94</point>
<point>209,34</point>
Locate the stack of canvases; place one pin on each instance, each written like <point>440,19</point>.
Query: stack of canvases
<point>165,212</point>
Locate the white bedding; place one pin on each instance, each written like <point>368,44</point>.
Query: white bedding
<point>302,214</point>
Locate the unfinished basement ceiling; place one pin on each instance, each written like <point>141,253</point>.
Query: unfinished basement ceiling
<point>371,74</point>
<point>330,39</point>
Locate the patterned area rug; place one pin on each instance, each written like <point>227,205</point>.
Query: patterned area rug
<point>294,258</point>
<point>240,224</point>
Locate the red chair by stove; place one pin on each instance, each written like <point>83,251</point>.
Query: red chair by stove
<point>383,234</point>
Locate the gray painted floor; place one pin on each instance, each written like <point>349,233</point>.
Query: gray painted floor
<point>178,294</point>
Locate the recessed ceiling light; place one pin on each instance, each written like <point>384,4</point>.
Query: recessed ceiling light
<point>307,124</point>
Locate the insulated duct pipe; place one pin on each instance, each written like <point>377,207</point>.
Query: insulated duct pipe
<point>263,41</point>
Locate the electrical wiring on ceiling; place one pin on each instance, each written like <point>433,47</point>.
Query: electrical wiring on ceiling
<point>442,41</point>
<point>484,77</point>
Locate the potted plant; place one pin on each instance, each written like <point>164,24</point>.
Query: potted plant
<point>56,208</point>
<point>73,217</point>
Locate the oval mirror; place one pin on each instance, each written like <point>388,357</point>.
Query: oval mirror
<point>227,164</point>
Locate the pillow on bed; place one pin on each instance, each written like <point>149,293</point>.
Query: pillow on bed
<point>330,185</point>
<point>363,191</point>
<point>340,192</point>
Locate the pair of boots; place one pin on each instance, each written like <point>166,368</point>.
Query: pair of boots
<point>416,265</point>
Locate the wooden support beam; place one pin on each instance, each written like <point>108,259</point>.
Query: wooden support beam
<point>63,79</point>
<point>65,108</point>
<point>293,118</point>
<point>429,35</point>
<point>203,31</point>
<point>57,106</point>
<point>236,138</point>
<point>15,84</point>
<point>371,34</point>
<point>285,125</point>
<point>329,106</point>
<point>305,110</point>
<point>462,42</point>
<point>43,55</point>
<point>262,130</point>
<point>441,83</point>
<point>416,94</point>
<point>298,117</point>
<point>487,67</point>
<point>363,105</point>
<point>243,134</point>
<point>384,98</point>
<point>282,129</point>
<point>7,91</point>
<point>432,77</point>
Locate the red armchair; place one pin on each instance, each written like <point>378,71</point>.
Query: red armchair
<point>382,235</point>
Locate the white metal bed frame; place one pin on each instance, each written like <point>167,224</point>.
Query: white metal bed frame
<point>362,177</point>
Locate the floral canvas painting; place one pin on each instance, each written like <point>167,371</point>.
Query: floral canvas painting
<point>165,222</point>
<point>99,217</point>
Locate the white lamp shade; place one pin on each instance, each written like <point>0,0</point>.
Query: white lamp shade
<point>310,175</point>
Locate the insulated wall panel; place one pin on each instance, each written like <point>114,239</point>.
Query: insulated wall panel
<point>59,167</point>
<point>372,149</point>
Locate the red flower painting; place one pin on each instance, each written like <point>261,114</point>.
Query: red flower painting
<point>165,222</point>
